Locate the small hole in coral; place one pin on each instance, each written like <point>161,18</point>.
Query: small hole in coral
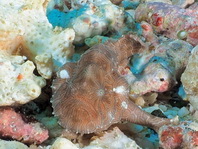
<point>161,79</point>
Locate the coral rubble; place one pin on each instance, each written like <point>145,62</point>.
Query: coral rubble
<point>189,79</point>
<point>184,135</point>
<point>169,20</point>
<point>131,82</point>
<point>63,143</point>
<point>12,145</point>
<point>89,20</point>
<point>160,69</point>
<point>114,139</point>
<point>12,125</point>
<point>18,83</point>
<point>26,21</point>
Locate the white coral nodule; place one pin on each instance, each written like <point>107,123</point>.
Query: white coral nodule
<point>18,83</point>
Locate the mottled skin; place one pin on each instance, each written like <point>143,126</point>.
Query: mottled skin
<point>95,96</point>
<point>170,20</point>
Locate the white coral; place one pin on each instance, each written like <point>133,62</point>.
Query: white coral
<point>88,18</point>
<point>75,4</point>
<point>114,139</point>
<point>27,19</point>
<point>100,20</point>
<point>63,143</point>
<point>190,79</point>
<point>12,145</point>
<point>18,83</point>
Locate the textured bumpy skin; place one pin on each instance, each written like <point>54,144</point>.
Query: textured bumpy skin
<point>12,125</point>
<point>94,94</point>
<point>18,84</point>
<point>25,30</point>
<point>169,20</point>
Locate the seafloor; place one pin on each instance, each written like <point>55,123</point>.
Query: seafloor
<point>99,74</point>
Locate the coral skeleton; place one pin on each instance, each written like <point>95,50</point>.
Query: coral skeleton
<point>185,135</point>
<point>26,30</point>
<point>170,20</point>
<point>112,139</point>
<point>63,143</point>
<point>131,82</point>
<point>189,79</point>
<point>89,19</point>
<point>159,70</point>
<point>18,83</point>
<point>67,5</point>
<point>12,145</point>
<point>13,125</point>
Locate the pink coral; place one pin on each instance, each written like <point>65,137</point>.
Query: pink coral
<point>95,95</point>
<point>171,137</point>
<point>180,136</point>
<point>12,125</point>
<point>148,33</point>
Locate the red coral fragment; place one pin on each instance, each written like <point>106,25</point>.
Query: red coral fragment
<point>180,136</point>
<point>193,32</point>
<point>145,27</point>
<point>157,20</point>
<point>12,125</point>
<point>19,77</point>
<point>172,137</point>
<point>194,136</point>
<point>86,20</point>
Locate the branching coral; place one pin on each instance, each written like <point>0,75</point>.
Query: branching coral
<point>95,94</point>
<point>12,125</point>
<point>171,21</point>
<point>25,27</point>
